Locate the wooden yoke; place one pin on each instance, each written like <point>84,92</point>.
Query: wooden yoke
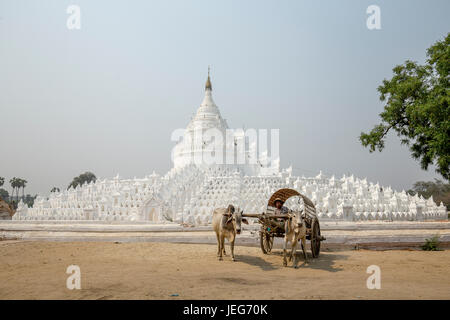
<point>263,215</point>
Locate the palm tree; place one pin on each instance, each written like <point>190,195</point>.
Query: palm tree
<point>18,186</point>
<point>13,183</point>
<point>23,184</point>
<point>2,181</point>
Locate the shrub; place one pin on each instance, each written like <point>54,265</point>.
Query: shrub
<point>431,244</point>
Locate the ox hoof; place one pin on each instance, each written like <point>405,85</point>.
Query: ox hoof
<point>284,264</point>
<point>233,259</point>
<point>220,258</point>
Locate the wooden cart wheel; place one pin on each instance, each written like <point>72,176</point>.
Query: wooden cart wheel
<point>266,241</point>
<point>315,239</point>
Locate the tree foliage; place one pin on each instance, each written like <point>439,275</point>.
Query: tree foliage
<point>17,184</point>
<point>438,189</point>
<point>83,178</point>
<point>29,200</point>
<point>4,194</point>
<point>417,109</point>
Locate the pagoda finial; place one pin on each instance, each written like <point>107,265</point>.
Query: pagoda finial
<point>208,85</point>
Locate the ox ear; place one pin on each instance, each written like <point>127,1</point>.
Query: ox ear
<point>244,220</point>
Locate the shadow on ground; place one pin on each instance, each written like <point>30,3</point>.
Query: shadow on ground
<point>325,261</point>
<point>257,262</point>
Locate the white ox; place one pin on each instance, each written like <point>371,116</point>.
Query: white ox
<point>226,222</point>
<point>295,229</point>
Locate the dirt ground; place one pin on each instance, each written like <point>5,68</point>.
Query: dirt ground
<point>37,270</point>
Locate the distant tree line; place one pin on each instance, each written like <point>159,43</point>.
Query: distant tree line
<point>16,185</point>
<point>19,184</point>
<point>438,189</point>
<point>83,178</point>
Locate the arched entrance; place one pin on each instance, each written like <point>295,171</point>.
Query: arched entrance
<point>151,210</point>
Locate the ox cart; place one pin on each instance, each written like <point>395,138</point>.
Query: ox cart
<point>271,229</point>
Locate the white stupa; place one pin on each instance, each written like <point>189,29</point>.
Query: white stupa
<point>191,190</point>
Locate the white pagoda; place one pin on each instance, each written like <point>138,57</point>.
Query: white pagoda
<point>190,191</point>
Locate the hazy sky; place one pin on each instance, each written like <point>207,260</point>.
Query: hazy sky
<point>106,98</point>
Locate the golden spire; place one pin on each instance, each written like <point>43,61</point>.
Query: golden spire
<point>208,85</point>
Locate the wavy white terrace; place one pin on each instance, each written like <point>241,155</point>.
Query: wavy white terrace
<point>190,191</point>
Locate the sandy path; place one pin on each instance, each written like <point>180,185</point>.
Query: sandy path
<point>36,270</point>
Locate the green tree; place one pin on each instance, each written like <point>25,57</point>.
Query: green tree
<point>16,185</point>
<point>4,194</point>
<point>417,109</point>
<point>14,182</point>
<point>438,189</point>
<point>29,200</point>
<point>23,184</point>
<point>83,178</point>
<point>55,189</point>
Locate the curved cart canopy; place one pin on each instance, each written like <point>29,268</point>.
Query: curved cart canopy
<point>285,194</point>
<point>269,230</point>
